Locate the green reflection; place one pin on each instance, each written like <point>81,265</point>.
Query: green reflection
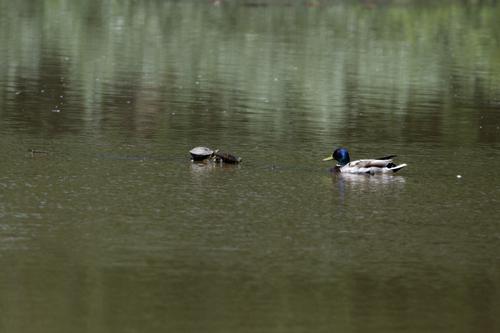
<point>426,67</point>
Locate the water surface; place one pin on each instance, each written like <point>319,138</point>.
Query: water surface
<point>115,230</point>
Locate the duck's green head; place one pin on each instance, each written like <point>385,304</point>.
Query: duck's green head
<point>340,155</point>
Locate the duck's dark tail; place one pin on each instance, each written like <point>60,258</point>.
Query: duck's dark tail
<point>386,157</point>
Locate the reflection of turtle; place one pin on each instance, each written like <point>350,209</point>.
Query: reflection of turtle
<point>36,152</point>
<point>221,156</point>
<point>201,153</point>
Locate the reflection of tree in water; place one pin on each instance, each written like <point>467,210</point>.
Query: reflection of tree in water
<point>166,66</point>
<point>42,102</point>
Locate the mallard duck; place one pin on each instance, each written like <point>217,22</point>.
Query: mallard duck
<point>369,166</point>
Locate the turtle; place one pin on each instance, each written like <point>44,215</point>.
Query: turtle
<point>225,157</point>
<point>201,153</point>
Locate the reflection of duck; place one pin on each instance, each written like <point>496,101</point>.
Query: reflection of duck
<point>362,181</point>
<point>368,166</point>
<point>360,185</point>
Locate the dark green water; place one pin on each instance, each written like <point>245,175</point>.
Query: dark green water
<point>114,230</point>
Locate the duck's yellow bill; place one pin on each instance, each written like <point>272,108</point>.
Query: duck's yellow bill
<point>329,158</point>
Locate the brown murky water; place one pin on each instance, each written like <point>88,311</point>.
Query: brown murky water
<point>114,230</point>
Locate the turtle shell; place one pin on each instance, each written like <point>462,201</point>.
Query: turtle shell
<point>227,157</point>
<point>201,153</point>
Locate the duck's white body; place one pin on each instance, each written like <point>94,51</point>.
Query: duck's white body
<point>370,167</point>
